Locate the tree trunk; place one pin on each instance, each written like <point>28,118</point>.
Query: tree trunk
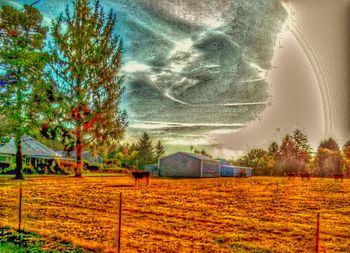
<point>79,154</point>
<point>19,175</point>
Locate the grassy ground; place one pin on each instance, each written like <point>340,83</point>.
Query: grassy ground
<point>258,215</point>
<point>12,241</point>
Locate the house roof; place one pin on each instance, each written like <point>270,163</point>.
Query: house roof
<point>86,155</point>
<point>30,147</point>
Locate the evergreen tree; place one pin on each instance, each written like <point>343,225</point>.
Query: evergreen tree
<point>22,62</point>
<point>159,151</point>
<point>273,148</point>
<point>303,149</point>
<point>145,151</point>
<point>329,144</point>
<point>87,57</point>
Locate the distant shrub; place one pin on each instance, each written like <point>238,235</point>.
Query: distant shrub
<point>28,170</point>
<point>93,166</point>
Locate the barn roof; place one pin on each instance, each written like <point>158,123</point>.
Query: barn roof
<point>235,167</point>
<point>197,156</point>
<point>30,147</point>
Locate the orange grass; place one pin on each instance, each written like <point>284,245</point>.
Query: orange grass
<point>258,214</point>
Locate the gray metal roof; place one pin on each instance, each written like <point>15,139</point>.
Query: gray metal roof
<point>197,156</point>
<point>30,147</point>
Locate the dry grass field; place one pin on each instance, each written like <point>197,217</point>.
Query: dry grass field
<point>257,214</point>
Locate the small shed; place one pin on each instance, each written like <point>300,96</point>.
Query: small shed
<point>183,164</point>
<point>152,169</point>
<point>235,171</point>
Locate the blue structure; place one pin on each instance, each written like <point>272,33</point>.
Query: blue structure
<point>152,169</point>
<point>235,171</point>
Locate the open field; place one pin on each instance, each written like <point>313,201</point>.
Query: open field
<point>258,214</point>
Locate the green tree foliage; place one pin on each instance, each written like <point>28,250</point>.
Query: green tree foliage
<point>22,62</point>
<point>328,159</point>
<point>258,159</point>
<point>145,151</point>
<point>159,151</point>
<point>86,59</point>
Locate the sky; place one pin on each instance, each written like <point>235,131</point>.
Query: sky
<point>199,73</point>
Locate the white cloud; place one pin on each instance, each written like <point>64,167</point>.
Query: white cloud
<point>133,66</point>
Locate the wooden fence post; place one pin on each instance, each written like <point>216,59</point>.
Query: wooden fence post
<point>120,221</point>
<point>318,232</point>
<point>20,208</point>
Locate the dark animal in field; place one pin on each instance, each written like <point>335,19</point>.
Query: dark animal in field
<point>291,174</point>
<point>305,175</point>
<point>138,175</point>
<point>338,176</point>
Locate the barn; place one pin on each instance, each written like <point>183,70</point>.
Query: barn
<point>184,164</point>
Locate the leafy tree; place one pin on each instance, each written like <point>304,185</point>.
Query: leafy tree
<point>159,151</point>
<point>86,59</point>
<point>346,156</point>
<point>328,159</point>
<point>145,151</point>
<point>257,159</point>
<point>287,154</point>
<point>22,62</point>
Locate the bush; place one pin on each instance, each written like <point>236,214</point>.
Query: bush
<point>114,169</point>
<point>93,166</point>
<point>4,165</point>
<point>8,170</point>
<point>28,170</point>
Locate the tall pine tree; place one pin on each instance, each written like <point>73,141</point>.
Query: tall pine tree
<point>145,151</point>
<point>22,61</point>
<point>87,57</point>
<point>159,151</point>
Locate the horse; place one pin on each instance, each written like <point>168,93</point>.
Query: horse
<point>140,175</point>
<point>306,175</point>
<point>291,174</point>
<point>338,176</point>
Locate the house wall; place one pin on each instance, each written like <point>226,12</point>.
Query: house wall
<point>211,168</point>
<point>180,165</point>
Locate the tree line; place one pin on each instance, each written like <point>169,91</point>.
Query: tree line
<point>295,154</point>
<point>137,155</point>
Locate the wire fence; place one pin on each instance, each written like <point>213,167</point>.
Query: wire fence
<point>88,212</point>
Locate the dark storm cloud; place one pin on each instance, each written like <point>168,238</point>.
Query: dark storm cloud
<point>186,61</point>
